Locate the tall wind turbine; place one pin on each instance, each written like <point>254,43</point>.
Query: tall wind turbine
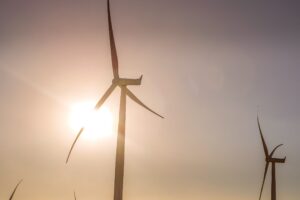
<point>125,92</point>
<point>14,191</point>
<point>269,159</point>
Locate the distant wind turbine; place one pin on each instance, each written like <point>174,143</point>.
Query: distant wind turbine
<point>14,191</point>
<point>269,159</point>
<point>75,196</point>
<point>122,83</point>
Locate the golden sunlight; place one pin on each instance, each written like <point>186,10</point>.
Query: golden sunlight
<point>97,123</point>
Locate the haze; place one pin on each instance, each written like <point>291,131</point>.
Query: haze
<point>208,67</point>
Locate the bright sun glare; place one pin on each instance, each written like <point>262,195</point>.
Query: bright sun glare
<point>97,123</point>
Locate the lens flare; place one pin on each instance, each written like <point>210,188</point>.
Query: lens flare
<point>97,123</point>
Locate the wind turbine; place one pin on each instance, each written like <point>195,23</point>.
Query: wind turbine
<point>122,83</point>
<point>269,159</point>
<point>14,191</point>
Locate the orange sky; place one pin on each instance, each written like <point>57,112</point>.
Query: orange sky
<point>207,66</point>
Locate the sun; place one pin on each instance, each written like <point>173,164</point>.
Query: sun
<point>97,123</point>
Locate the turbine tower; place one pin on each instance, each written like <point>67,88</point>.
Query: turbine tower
<point>273,161</point>
<point>14,191</point>
<point>122,83</point>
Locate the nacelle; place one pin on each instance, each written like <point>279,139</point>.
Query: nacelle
<point>276,160</point>
<point>125,81</point>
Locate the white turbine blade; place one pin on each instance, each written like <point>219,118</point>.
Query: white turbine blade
<point>105,96</point>
<point>271,154</point>
<point>262,139</point>
<point>113,49</point>
<point>134,98</point>
<point>264,179</point>
<point>14,191</point>
<point>78,135</point>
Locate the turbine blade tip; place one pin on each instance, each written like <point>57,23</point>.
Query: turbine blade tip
<point>67,160</point>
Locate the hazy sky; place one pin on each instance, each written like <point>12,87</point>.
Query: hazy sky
<point>207,66</point>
